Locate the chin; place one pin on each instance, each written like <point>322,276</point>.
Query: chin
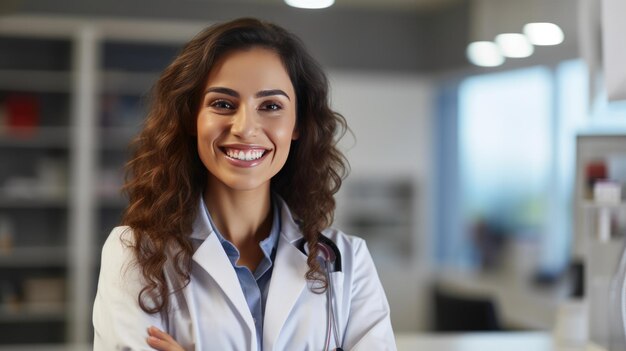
<point>245,184</point>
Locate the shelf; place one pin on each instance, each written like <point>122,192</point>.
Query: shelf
<point>34,80</point>
<point>110,202</point>
<point>128,83</point>
<point>38,138</point>
<point>35,313</point>
<point>596,206</point>
<point>36,201</point>
<point>19,257</point>
<point>117,139</point>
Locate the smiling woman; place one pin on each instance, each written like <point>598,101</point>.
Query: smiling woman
<point>226,243</point>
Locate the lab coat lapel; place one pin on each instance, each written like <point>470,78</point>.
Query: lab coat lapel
<point>287,281</point>
<point>211,256</point>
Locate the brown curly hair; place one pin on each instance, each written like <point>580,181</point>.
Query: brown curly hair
<point>165,176</point>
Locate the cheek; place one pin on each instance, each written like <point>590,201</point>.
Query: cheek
<point>283,135</point>
<point>207,132</point>
<point>284,132</point>
<point>206,129</point>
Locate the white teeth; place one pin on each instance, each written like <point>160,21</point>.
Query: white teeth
<point>244,156</point>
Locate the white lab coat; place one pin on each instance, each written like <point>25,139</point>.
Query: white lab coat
<point>211,312</point>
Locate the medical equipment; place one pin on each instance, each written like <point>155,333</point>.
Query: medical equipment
<point>331,257</point>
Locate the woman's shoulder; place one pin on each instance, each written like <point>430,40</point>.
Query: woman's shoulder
<point>120,238</point>
<point>117,249</point>
<point>342,239</point>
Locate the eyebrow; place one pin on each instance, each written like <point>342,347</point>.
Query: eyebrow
<point>260,94</point>
<point>271,92</point>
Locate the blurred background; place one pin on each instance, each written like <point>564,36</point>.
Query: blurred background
<point>475,168</point>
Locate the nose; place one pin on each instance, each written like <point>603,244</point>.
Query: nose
<point>244,123</point>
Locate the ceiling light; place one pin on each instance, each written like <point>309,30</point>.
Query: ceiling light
<point>310,4</point>
<point>514,45</point>
<point>543,33</point>
<point>484,54</point>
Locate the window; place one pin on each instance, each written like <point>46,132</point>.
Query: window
<point>505,163</point>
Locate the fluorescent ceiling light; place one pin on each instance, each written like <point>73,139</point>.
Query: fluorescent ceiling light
<point>514,45</point>
<point>543,33</point>
<point>484,54</point>
<point>310,4</point>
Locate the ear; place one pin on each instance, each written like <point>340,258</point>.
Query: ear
<point>296,133</point>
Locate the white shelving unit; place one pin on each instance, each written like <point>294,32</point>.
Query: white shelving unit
<point>34,205</point>
<point>93,153</point>
<point>601,253</point>
<point>382,211</point>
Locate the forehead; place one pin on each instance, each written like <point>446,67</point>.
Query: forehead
<point>250,69</point>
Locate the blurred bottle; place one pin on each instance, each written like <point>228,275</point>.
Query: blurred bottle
<point>22,114</point>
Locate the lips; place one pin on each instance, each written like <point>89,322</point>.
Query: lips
<point>244,155</point>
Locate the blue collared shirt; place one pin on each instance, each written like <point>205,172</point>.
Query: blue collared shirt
<point>255,286</point>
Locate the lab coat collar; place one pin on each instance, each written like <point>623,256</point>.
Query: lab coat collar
<point>290,230</point>
<point>211,256</point>
<point>287,283</point>
<point>201,228</point>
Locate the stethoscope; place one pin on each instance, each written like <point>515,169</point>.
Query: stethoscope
<point>331,257</point>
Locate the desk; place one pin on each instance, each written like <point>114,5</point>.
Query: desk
<point>513,341</point>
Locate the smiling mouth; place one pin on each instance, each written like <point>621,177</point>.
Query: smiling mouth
<point>244,154</point>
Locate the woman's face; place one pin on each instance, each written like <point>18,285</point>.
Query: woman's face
<point>247,119</point>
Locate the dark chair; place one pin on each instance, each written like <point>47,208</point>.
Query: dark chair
<point>454,312</point>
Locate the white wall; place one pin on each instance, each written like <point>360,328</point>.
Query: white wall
<point>390,116</point>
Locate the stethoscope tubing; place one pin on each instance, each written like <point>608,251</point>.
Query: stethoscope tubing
<point>329,314</point>
<point>332,305</point>
<point>331,323</point>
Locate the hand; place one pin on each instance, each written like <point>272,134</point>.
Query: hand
<point>162,341</point>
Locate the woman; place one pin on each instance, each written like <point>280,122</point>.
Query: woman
<point>226,244</point>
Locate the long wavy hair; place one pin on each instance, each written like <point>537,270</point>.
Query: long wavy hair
<point>165,176</point>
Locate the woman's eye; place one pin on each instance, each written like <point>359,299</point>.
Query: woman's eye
<point>222,105</point>
<point>270,106</point>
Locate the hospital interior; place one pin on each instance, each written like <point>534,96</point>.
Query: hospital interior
<point>487,148</point>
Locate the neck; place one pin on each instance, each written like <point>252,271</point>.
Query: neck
<point>242,217</point>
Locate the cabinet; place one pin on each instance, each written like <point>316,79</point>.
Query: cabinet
<point>72,94</point>
<point>34,205</point>
<point>128,70</point>
<point>383,212</point>
<point>599,157</point>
